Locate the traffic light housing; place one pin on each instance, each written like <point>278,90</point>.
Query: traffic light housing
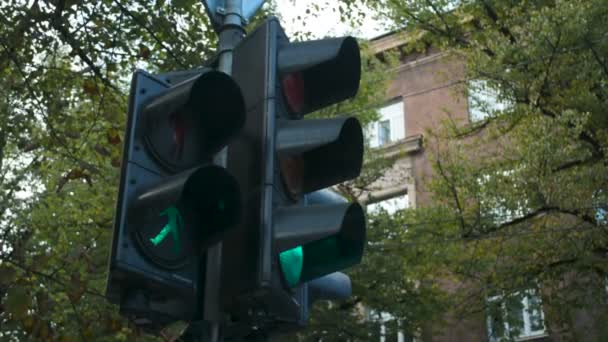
<point>282,244</point>
<point>333,286</point>
<point>172,202</point>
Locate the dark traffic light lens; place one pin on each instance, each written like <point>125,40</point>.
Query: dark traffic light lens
<point>292,173</point>
<point>213,195</point>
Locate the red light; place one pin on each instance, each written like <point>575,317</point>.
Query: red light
<point>293,88</point>
<point>179,130</point>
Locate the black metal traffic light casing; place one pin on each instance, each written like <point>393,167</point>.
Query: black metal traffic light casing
<point>280,157</point>
<point>172,201</point>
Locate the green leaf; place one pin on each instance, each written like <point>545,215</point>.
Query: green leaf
<point>7,274</point>
<point>17,302</point>
<point>184,3</point>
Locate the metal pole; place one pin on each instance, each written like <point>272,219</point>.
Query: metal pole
<point>231,32</point>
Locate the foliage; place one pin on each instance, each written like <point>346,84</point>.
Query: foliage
<point>64,70</point>
<point>520,196</point>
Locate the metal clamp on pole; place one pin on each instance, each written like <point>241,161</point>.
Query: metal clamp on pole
<point>231,32</point>
<point>218,9</point>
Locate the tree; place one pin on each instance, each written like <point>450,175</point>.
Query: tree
<point>520,196</point>
<point>64,72</point>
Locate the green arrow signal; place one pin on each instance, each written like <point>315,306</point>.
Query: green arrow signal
<point>292,261</point>
<point>173,225</point>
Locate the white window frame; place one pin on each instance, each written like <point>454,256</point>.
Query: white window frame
<point>601,216</point>
<point>382,138</point>
<point>391,205</point>
<point>601,208</point>
<point>526,332</point>
<point>385,317</point>
<point>393,112</point>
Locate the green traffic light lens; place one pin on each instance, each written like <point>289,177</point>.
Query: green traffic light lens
<point>292,262</point>
<point>164,236</point>
<point>173,226</point>
<point>338,251</point>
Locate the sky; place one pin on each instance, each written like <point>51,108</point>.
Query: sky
<point>327,24</point>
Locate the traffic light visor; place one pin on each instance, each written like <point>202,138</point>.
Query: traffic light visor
<point>336,252</point>
<point>178,217</point>
<point>315,154</point>
<point>189,122</point>
<point>331,237</point>
<point>315,74</point>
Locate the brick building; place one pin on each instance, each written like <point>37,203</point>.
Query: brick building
<point>426,89</point>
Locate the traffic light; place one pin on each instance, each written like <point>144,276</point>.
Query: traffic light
<point>334,286</point>
<point>279,158</point>
<point>172,202</point>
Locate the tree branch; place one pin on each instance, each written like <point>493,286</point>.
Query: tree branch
<point>598,58</point>
<point>494,16</point>
<point>57,23</point>
<point>440,15</point>
<point>78,321</point>
<point>578,162</point>
<point>46,276</point>
<point>150,32</point>
<point>455,196</point>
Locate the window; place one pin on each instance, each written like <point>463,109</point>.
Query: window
<point>388,335</point>
<point>601,216</point>
<point>390,127</point>
<point>384,132</point>
<point>515,317</point>
<point>391,205</point>
<point>393,336</point>
<point>600,201</point>
<point>483,100</point>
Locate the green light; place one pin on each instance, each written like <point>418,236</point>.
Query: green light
<point>174,222</point>
<point>292,261</point>
<point>221,205</point>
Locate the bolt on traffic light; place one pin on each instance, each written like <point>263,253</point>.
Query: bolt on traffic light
<point>278,159</point>
<point>172,202</point>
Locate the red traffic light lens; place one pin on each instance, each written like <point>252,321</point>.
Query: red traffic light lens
<point>294,91</point>
<point>189,122</point>
<point>179,132</point>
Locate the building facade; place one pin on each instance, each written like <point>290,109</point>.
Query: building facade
<point>426,89</point>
